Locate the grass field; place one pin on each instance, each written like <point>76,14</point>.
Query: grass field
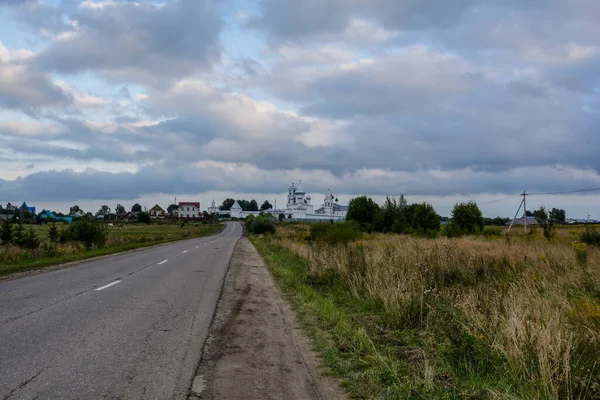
<point>130,236</point>
<point>399,317</point>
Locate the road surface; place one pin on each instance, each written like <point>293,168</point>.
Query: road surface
<point>129,326</point>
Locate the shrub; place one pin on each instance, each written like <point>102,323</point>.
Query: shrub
<point>19,235</point>
<point>86,231</point>
<point>30,240</point>
<point>491,231</point>
<point>590,236</point>
<point>335,233</point>
<point>53,234</point>
<point>547,225</point>
<point>6,233</point>
<point>259,225</point>
<point>143,217</point>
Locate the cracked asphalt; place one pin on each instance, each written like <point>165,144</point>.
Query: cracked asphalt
<point>131,326</point>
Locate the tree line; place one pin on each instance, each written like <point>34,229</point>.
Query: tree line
<point>397,216</point>
<point>246,205</point>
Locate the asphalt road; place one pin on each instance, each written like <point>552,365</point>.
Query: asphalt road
<point>130,326</point>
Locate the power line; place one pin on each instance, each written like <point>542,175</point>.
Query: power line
<point>567,192</point>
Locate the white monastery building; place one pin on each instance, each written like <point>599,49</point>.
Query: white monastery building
<point>298,206</point>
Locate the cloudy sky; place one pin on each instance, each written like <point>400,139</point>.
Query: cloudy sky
<point>123,101</point>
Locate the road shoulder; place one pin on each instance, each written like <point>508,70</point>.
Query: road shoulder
<point>255,349</point>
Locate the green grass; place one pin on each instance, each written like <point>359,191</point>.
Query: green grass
<point>120,239</point>
<point>357,341</point>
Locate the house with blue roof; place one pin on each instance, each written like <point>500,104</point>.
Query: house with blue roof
<point>24,207</point>
<point>48,216</point>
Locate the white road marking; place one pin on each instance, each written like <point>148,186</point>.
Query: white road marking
<point>197,247</point>
<point>185,251</point>
<point>162,262</point>
<point>107,286</point>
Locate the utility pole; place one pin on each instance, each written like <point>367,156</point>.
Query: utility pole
<point>524,211</point>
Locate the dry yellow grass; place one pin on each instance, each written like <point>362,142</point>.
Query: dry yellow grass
<point>532,303</point>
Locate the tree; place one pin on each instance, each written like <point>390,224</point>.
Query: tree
<point>547,224</point>
<point>172,207</point>
<point>558,214</point>
<point>467,218</point>
<point>119,209</point>
<point>425,219</point>
<point>266,206</point>
<point>136,208</point>
<point>227,204</point>
<point>53,234</point>
<point>30,240</point>
<point>143,217</point>
<point>19,235</point>
<point>498,221</point>
<point>10,207</point>
<point>6,233</point>
<point>252,205</point>
<point>362,210</point>
<point>281,217</point>
<point>73,210</point>
<point>104,210</point>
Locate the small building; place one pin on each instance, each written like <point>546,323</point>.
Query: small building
<point>25,207</point>
<point>78,214</point>
<point>189,210</point>
<point>520,221</point>
<point>46,216</point>
<point>157,212</point>
<point>129,216</point>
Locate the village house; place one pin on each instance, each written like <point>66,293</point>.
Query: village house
<point>188,209</point>
<point>157,212</point>
<point>46,216</point>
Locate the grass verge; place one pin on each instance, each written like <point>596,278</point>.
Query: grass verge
<point>355,338</point>
<point>30,264</point>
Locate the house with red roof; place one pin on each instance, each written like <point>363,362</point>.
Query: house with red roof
<point>188,209</point>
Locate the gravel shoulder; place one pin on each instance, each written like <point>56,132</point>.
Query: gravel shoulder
<point>255,349</point>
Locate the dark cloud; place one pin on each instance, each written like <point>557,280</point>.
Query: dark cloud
<point>138,40</point>
<point>96,185</point>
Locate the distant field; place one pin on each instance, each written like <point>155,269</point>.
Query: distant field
<point>398,316</point>
<point>130,236</point>
<point>564,233</point>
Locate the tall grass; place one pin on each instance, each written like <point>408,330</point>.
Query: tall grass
<point>513,320</point>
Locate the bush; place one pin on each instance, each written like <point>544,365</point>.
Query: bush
<point>590,236</point>
<point>53,234</point>
<point>259,225</point>
<point>6,233</point>
<point>30,240</point>
<point>335,233</point>
<point>143,217</point>
<point>491,231</point>
<point>18,238</point>
<point>86,231</point>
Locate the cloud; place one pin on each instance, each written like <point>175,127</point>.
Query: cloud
<point>245,178</point>
<point>138,41</point>
<point>24,88</point>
